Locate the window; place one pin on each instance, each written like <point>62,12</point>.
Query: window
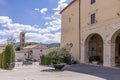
<point>41,50</point>
<point>92,1</point>
<point>23,40</point>
<point>22,44</point>
<point>93,18</point>
<point>22,35</point>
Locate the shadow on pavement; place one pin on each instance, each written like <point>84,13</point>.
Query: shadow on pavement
<point>51,70</point>
<point>98,71</point>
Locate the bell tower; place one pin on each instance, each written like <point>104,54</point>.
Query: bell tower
<point>22,39</point>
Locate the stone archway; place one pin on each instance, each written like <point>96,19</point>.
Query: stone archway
<point>116,41</point>
<point>94,48</point>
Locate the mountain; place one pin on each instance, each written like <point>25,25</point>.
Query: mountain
<point>26,44</point>
<point>53,45</point>
<point>33,43</point>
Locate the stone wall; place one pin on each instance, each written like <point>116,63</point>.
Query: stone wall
<point>106,32</point>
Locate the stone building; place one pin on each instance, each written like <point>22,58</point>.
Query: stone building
<point>93,27</point>
<point>33,51</point>
<point>36,51</point>
<point>2,47</point>
<point>22,39</point>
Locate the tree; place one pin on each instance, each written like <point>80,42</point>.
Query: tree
<point>59,54</point>
<point>1,60</point>
<point>17,48</point>
<point>9,57</point>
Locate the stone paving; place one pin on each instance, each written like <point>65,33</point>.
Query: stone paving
<point>76,72</point>
<point>98,71</point>
<point>43,73</point>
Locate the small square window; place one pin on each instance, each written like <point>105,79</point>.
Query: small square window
<point>22,35</point>
<point>23,40</point>
<point>93,1</point>
<point>22,44</point>
<point>93,18</point>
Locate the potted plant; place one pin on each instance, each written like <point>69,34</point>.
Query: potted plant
<point>58,56</point>
<point>96,59</point>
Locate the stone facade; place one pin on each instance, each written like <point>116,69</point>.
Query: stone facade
<point>37,50</point>
<point>22,39</point>
<point>2,47</point>
<point>106,32</point>
<point>33,51</point>
<point>80,30</point>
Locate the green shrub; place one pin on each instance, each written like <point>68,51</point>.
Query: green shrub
<point>28,59</point>
<point>45,60</point>
<point>56,55</point>
<point>59,55</point>
<point>9,57</point>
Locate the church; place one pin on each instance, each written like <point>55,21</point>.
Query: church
<point>93,27</point>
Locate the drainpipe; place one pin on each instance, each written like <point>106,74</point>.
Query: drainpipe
<point>79,34</point>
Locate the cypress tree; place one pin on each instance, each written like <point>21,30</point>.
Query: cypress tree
<point>9,57</point>
<point>0,60</point>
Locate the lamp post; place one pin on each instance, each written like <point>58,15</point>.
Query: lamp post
<point>11,41</point>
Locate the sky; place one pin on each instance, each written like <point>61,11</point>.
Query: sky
<point>39,19</point>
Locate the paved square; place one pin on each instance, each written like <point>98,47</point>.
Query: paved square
<point>43,73</point>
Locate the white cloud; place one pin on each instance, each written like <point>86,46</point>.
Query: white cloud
<point>47,18</point>
<point>51,33</point>
<point>55,23</point>
<point>36,9</point>
<point>4,19</point>
<point>61,5</point>
<point>43,10</point>
<point>46,23</point>
<point>33,33</point>
<point>45,38</point>
<point>61,1</point>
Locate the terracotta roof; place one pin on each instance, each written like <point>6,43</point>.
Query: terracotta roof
<point>67,6</point>
<point>30,47</point>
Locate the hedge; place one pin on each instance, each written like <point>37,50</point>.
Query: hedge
<point>45,60</point>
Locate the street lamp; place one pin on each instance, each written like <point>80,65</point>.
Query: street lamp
<point>11,41</point>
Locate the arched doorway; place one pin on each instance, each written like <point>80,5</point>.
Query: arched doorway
<point>116,40</point>
<point>117,50</point>
<point>94,49</point>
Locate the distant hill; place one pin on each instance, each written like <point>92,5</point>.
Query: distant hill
<point>27,43</point>
<point>53,45</point>
<point>30,43</point>
<point>33,43</point>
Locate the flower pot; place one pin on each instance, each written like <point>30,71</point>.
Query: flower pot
<point>58,66</point>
